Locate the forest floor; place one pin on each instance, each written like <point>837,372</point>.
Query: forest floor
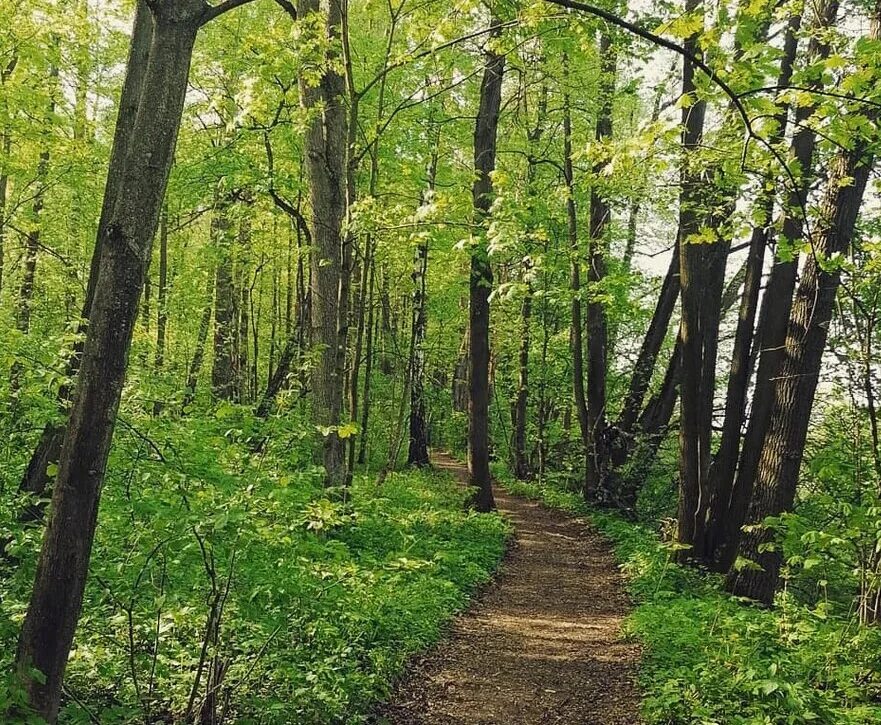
<point>541,644</point>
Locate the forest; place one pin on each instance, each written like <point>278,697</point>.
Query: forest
<point>440,361</point>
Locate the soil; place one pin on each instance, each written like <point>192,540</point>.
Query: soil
<point>541,644</point>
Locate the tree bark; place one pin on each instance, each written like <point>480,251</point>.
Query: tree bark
<point>723,467</point>
<point>224,374</point>
<point>796,384</point>
<point>576,339</point>
<point>417,453</point>
<point>597,323</point>
<point>325,145</point>
<point>776,306</point>
<point>695,415</point>
<point>62,569</point>
<point>36,477</point>
<point>481,280</point>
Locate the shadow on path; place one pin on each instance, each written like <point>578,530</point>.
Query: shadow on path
<point>541,644</point>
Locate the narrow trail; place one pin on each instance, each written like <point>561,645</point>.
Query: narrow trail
<point>541,644</point>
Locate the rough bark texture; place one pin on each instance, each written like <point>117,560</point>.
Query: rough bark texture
<point>775,308</point>
<point>694,429</point>
<point>325,147</point>
<point>597,323</point>
<point>56,599</point>
<point>775,486</point>
<point>36,478</point>
<point>723,468</point>
<point>481,280</point>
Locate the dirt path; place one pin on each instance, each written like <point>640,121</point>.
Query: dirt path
<point>542,644</point>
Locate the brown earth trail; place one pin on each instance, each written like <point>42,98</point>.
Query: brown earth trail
<point>542,644</point>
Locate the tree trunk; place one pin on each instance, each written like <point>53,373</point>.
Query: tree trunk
<point>62,569</point>
<point>417,454</point>
<point>224,378</point>
<point>325,151</point>
<point>481,279</point>
<point>775,308</point>
<point>36,477</point>
<point>695,415</point>
<point>723,467</point>
<point>796,384</point>
<point>597,324</point>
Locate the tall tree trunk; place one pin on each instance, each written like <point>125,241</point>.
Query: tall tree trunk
<point>520,410</point>
<point>723,467</point>
<point>224,378</point>
<point>695,414</point>
<point>36,477</point>
<point>62,568</point>
<point>796,384</point>
<point>597,324</point>
<point>417,453</point>
<point>481,279</point>
<point>325,143</point>
<point>576,339</point>
<point>776,304</point>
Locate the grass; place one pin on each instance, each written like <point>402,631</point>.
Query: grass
<point>318,604</point>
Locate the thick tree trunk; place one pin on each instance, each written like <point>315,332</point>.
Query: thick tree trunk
<point>775,308</point>
<point>597,323</point>
<point>224,374</point>
<point>695,415</point>
<point>56,599</point>
<point>481,280</point>
<point>775,486</point>
<point>325,146</point>
<point>723,467</point>
<point>36,477</point>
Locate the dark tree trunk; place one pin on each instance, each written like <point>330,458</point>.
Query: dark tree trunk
<point>695,415</point>
<point>417,454</point>
<point>576,338</point>
<point>649,350</point>
<point>325,142</point>
<point>481,280</point>
<point>775,486</point>
<point>775,310</point>
<point>36,477</point>
<point>597,323</point>
<point>723,467</point>
<point>56,598</point>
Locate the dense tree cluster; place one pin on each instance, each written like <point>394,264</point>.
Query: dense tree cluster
<point>549,233</point>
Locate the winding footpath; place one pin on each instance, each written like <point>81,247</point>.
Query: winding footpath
<point>541,644</point>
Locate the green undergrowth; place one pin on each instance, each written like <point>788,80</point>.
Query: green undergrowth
<point>714,660</point>
<point>316,603</point>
